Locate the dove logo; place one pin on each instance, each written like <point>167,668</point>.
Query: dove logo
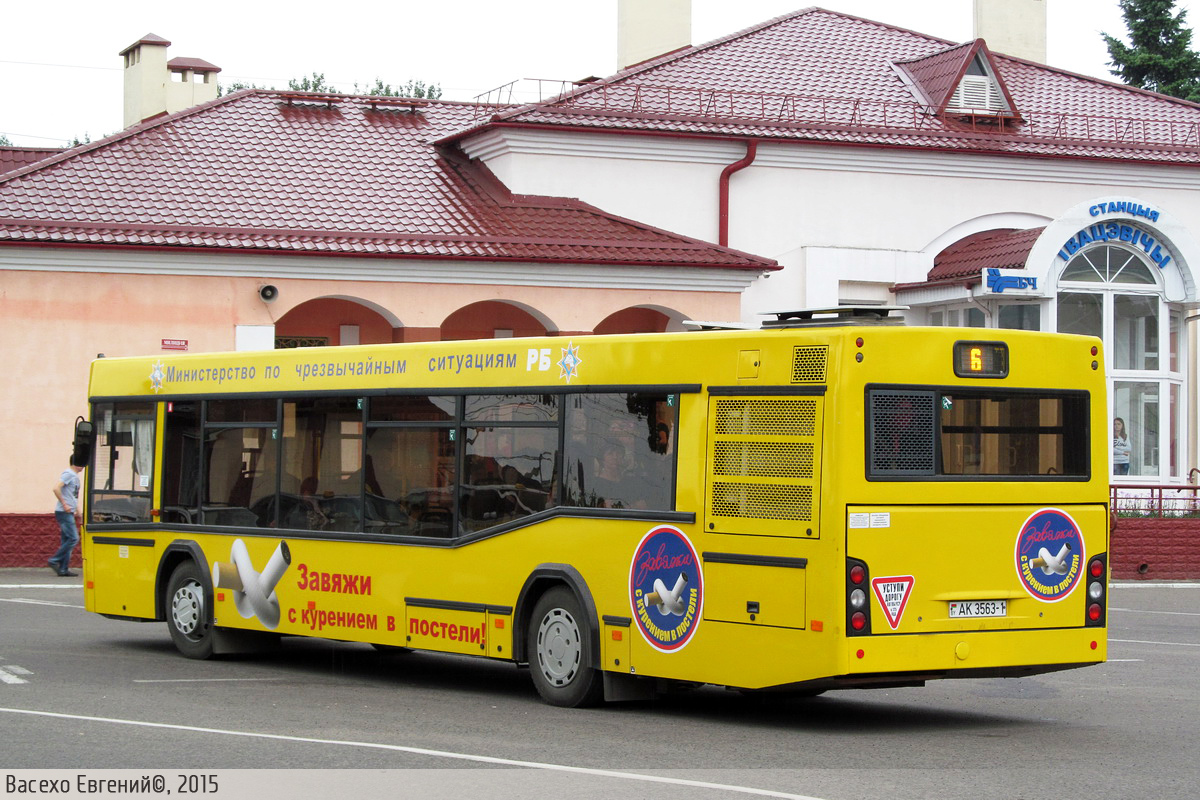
<point>1050,555</point>
<point>666,588</point>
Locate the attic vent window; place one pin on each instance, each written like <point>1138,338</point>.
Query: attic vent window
<point>978,93</point>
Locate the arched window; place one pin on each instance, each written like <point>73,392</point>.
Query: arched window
<point>1107,264</point>
<point>1113,292</point>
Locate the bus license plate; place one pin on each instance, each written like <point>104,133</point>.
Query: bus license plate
<point>978,608</point>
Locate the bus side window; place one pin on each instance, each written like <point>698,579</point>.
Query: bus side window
<point>410,457</point>
<point>621,451</point>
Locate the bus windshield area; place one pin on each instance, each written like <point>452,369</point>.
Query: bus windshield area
<point>919,432</point>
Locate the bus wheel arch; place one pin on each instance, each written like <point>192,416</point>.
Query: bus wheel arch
<point>555,611</point>
<point>185,599</point>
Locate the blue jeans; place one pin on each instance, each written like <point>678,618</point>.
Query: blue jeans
<point>61,560</point>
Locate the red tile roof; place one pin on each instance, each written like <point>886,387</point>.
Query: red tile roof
<point>969,256</point>
<point>14,158</point>
<point>344,176</point>
<point>194,64</point>
<point>935,76</point>
<point>149,38</point>
<point>822,76</point>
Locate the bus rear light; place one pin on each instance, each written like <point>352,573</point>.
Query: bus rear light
<point>1097,591</point>
<point>858,607</point>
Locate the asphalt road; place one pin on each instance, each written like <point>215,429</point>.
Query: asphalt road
<point>84,696</point>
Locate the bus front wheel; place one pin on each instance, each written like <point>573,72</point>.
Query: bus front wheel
<point>188,616</point>
<point>560,652</point>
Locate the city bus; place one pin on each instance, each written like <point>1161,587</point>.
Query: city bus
<point>832,500</point>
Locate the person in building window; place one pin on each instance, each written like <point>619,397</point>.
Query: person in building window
<point>1121,447</point>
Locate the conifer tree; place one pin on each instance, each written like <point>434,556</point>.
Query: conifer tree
<point>1159,56</point>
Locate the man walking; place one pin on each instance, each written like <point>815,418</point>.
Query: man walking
<point>65,511</point>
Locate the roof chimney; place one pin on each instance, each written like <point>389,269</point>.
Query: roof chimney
<point>155,86</point>
<point>1013,27</point>
<point>649,28</point>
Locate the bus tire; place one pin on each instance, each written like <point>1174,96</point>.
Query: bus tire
<point>560,651</point>
<point>189,618</point>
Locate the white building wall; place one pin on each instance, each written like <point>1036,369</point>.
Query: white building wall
<point>826,213</point>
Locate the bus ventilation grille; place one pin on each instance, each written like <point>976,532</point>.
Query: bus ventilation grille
<point>762,502</point>
<point>763,458</point>
<point>902,432</point>
<point>808,364</point>
<point>790,418</point>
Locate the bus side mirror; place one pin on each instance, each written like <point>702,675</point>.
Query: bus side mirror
<point>81,453</point>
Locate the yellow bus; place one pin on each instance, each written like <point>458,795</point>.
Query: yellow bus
<point>831,501</point>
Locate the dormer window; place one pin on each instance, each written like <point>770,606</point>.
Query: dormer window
<point>960,81</point>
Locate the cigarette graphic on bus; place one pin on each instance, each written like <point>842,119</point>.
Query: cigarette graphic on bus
<point>1053,565</point>
<point>253,592</point>
<point>669,602</point>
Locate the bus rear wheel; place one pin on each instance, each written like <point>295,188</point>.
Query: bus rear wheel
<point>189,617</point>
<point>559,650</point>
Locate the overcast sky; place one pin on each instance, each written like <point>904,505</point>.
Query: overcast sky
<point>61,73</point>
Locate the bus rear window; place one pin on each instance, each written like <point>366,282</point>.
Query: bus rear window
<point>918,432</point>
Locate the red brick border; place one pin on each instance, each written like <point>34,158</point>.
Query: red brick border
<point>27,540</point>
<point>1145,548</point>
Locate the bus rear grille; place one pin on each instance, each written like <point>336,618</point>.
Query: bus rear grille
<point>761,501</point>
<point>901,432</point>
<point>808,364</point>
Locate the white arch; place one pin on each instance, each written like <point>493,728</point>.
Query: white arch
<point>391,318</point>
<point>1178,277</point>
<point>674,318</point>
<point>542,319</point>
<point>985,222</point>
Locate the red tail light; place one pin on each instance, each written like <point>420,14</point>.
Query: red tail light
<point>1097,591</point>
<point>858,607</point>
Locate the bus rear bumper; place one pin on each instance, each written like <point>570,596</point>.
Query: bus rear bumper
<point>977,654</point>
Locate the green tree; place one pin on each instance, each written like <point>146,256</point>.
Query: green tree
<point>314,84</point>
<point>5,141</point>
<point>412,88</point>
<point>1159,56</point>
<point>317,83</point>
<point>237,86</point>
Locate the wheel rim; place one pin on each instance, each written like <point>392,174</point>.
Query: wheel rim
<point>187,609</point>
<point>559,647</point>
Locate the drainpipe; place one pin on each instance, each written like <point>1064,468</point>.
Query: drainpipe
<point>723,191</point>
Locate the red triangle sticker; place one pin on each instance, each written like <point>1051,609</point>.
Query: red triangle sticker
<point>892,594</point>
